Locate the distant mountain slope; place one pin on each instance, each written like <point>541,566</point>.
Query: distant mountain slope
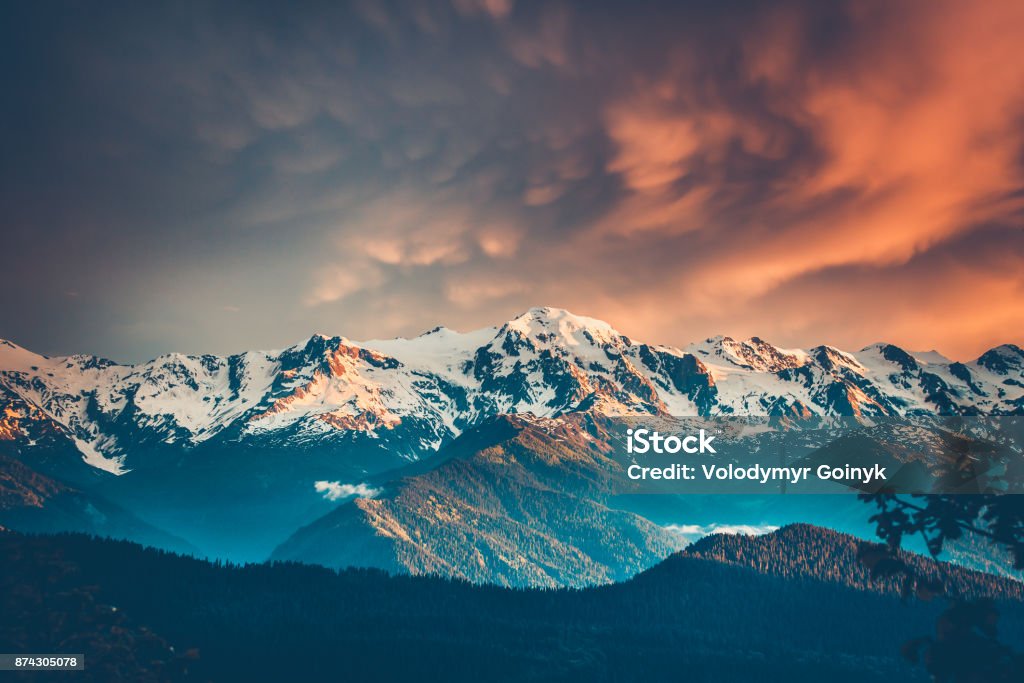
<point>516,502</point>
<point>527,501</point>
<point>30,435</point>
<point>691,617</point>
<point>34,503</point>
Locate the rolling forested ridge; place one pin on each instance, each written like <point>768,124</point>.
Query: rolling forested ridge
<point>792,605</point>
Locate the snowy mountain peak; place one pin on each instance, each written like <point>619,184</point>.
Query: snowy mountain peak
<point>546,319</point>
<point>556,327</point>
<point>831,358</point>
<point>14,357</point>
<point>1002,359</point>
<point>405,398</point>
<point>1008,350</point>
<point>318,342</point>
<point>932,357</point>
<point>752,354</point>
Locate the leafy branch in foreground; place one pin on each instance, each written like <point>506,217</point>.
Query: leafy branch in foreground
<point>965,647</point>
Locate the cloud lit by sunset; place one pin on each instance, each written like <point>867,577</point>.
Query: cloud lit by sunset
<point>802,171</point>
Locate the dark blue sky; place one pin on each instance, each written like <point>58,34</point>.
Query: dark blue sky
<point>221,176</point>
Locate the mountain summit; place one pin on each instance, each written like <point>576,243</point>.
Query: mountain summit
<point>408,397</point>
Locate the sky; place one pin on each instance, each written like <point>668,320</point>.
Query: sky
<point>215,177</point>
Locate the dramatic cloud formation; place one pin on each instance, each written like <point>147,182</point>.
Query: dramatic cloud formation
<point>236,175</point>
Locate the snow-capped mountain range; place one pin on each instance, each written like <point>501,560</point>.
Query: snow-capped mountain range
<point>411,396</point>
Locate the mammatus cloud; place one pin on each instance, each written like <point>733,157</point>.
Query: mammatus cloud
<point>335,490</point>
<point>797,165</point>
<point>807,172</point>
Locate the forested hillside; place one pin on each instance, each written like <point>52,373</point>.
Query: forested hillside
<point>803,551</point>
<point>516,502</point>
<point>693,617</point>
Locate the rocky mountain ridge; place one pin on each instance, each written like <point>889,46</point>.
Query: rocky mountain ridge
<point>408,397</point>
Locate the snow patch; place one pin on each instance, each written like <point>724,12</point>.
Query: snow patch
<point>93,457</point>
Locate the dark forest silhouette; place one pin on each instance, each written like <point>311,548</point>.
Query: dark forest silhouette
<point>795,605</point>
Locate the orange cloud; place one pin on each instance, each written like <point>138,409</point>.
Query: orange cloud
<point>652,146</point>
<point>917,130</point>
